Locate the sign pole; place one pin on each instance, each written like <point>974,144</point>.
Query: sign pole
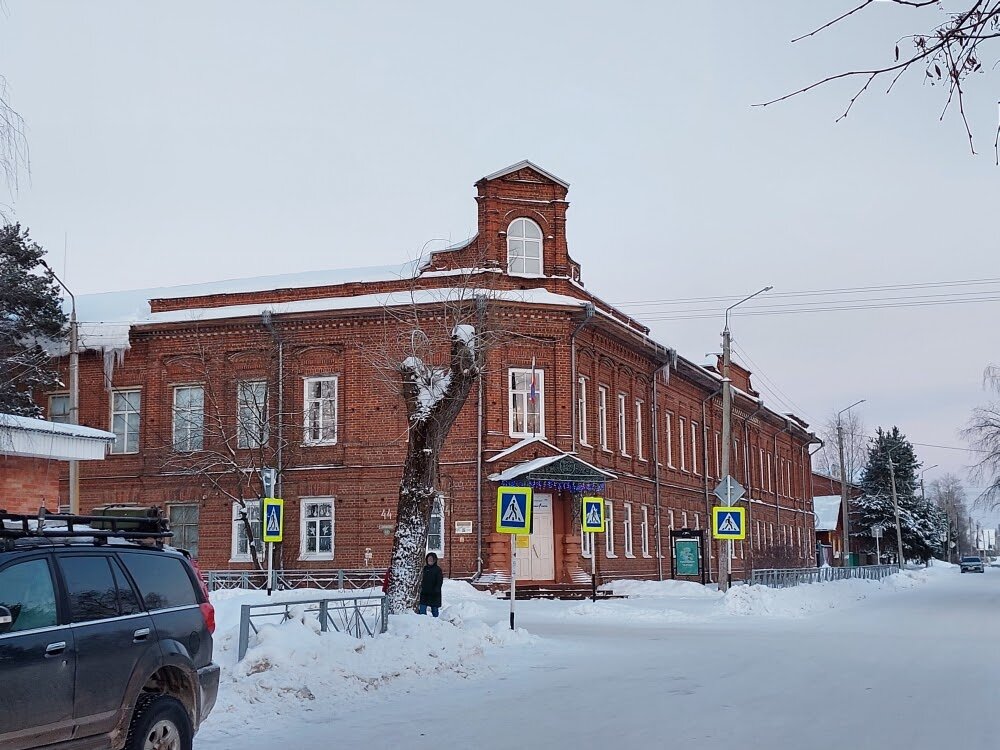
<point>593,566</point>
<point>513,578</point>
<point>270,567</point>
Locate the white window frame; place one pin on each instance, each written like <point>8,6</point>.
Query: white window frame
<point>304,522</point>
<point>192,432</point>
<point>127,448</point>
<point>670,439</point>
<point>60,417</point>
<point>670,515</point>
<point>516,232</point>
<point>644,532</point>
<point>622,423</point>
<point>175,525</point>
<point>718,455</point>
<point>770,475</point>
<point>309,401</point>
<point>681,428</point>
<point>586,550</point>
<point>516,395</point>
<point>253,509</point>
<point>581,409</point>
<point>259,437</point>
<point>697,521</point>
<point>627,529</point>
<point>639,448</point>
<point>684,520</point>
<point>602,415</point>
<point>694,448</point>
<point>609,534</point>
<point>437,511</point>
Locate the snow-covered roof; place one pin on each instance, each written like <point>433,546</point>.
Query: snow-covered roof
<point>521,165</point>
<point>535,464</point>
<point>827,510</point>
<point>38,438</point>
<point>521,444</point>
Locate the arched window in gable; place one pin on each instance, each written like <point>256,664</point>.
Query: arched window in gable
<point>524,247</point>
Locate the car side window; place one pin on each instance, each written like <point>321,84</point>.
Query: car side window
<point>163,580</point>
<point>91,587</point>
<point>128,602</point>
<point>26,590</point>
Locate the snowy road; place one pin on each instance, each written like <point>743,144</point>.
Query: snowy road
<point>918,669</point>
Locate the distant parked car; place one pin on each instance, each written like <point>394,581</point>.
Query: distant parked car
<point>972,564</point>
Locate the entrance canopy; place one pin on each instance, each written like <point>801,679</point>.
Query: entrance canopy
<point>562,471</point>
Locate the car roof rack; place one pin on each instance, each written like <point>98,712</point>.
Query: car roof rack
<point>151,527</point>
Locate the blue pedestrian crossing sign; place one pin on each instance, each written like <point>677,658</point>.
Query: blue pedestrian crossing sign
<point>273,519</point>
<point>592,515</point>
<point>729,523</point>
<point>514,510</point>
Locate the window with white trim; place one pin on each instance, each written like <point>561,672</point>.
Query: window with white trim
<point>189,418</point>
<point>670,514</point>
<point>602,415</point>
<point>682,428</point>
<point>697,520</point>
<point>756,535</point>
<point>684,520</point>
<point>316,530</point>
<point>59,408</point>
<point>527,402</point>
<point>251,414</point>
<point>240,541</point>
<point>770,533</point>
<point>320,396</point>
<point>670,439</point>
<point>639,450</point>
<point>627,529</point>
<point>435,530</point>
<point>695,464</point>
<point>524,247</point>
<point>184,523</point>
<point>586,543</point>
<point>718,455</point>
<point>644,532</point>
<point>609,525</point>
<point>622,442</point>
<point>581,409</point>
<point>770,475</point>
<point>760,465</point>
<point>125,408</point>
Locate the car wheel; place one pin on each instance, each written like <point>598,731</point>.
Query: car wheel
<point>160,722</point>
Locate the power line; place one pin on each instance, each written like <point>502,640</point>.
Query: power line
<point>950,447</point>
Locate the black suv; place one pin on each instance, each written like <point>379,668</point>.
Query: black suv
<point>105,635</point>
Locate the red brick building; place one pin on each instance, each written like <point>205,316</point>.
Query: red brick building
<point>202,370</point>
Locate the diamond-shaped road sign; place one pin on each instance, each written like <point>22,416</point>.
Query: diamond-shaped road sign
<point>729,490</point>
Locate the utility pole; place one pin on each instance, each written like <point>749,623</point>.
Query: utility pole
<point>726,545</point>
<point>845,503</point>
<point>74,389</point>
<point>895,507</point>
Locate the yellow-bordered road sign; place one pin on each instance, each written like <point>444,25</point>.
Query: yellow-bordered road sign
<point>729,523</point>
<point>514,510</point>
<point>272,519</point>
<point>592,515</point>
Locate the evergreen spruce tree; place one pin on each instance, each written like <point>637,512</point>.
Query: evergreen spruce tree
<point>922,522</point>
<point>31,316</point>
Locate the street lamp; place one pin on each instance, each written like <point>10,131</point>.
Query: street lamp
<point>74,388</point>
<point>844,501</point>
<point>923,496</point>
<point>727,442</point>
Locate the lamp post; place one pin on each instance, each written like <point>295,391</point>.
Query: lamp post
<point>923,499</point>
<point>923,496</point>
<point>74,388</point>
<point>844,500</point>
<point>725,553</point>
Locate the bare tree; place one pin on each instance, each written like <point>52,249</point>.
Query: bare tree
<point>778,555</point>
<point>13,145</point>
<point>948,493</point>
<point>855,447</point>
<point>948,53</point>
<point>983,434</point>
<point>226,443</point>
<point>433,351</point>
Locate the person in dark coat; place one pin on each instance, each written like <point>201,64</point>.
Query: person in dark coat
<point>430,586</point>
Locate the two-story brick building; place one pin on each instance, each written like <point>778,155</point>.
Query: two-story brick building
<point>204,384</point>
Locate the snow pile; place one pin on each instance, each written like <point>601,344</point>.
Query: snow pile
<point>641,589</point>
<point>293,667</point>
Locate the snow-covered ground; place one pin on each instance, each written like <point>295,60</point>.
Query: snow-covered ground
<point>910,662</point>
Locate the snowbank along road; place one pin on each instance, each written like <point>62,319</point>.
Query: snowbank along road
<point>912,662</point>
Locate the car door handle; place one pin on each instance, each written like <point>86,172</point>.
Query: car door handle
<point>54,649</point>
<point>140,635</point>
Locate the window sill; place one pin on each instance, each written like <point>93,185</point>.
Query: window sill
<point>644,460</point>
<point>585,444</point>
<point>586,555</point>
<point>646,556</point>
<point>606,449</point>
<point>244,561</point>
<point>316,558</point>
<point>318,443</point>
<point>123,453</point>
<point>629,557</point>
<point>611,556</point>
<point>526,435</point>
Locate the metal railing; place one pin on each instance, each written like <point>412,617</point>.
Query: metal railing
<point>256,580</point>
<point>360,616</point>
<point>780,578</point>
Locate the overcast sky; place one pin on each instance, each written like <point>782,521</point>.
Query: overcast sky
<point>186,142</point>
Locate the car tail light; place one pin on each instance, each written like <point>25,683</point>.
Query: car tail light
<point>207,610</point>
